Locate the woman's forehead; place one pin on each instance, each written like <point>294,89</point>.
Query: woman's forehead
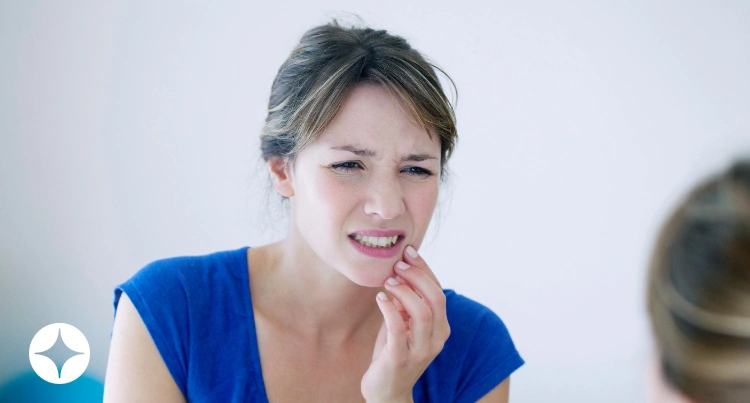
<point>372,118</point>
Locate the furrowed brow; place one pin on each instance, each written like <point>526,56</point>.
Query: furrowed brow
<point>360,152</point>
<point>418,157</point>
<point>363,152</point>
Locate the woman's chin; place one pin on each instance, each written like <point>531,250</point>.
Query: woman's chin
<point>373,278</point>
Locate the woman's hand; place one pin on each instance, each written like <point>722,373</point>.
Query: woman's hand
<point>413,333</point>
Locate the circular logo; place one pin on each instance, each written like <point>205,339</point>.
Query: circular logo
<point>59,353</point>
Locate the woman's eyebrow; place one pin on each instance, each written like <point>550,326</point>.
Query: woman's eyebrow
<point>363,152</point>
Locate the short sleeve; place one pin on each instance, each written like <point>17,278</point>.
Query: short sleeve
<point>158,292</point>
<point>490,359</point>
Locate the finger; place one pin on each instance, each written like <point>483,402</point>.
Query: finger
<point>430,291</point>
<point>412,258</point>
<point>380,341</point>
<point>400,306</point>
<point>420,315</point>
<point>396,329</point>
<point>404,281</point>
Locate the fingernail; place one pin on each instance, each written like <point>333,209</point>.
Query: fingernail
<point>411,251</point>
<point>382,296</point>
<point>401,265</point>
<point>392,281</point>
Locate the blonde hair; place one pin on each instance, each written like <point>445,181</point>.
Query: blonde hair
<point>699,290</point>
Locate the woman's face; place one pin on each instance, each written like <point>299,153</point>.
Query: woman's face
<point>372,168</point>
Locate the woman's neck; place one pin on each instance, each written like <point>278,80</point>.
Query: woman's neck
<point>296,290</point>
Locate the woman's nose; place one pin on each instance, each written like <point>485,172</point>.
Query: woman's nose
<point>385,199</point>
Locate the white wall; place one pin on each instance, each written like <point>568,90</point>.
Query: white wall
<point>129,133</point>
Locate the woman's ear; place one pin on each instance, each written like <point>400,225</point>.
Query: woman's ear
<point>280,171</point>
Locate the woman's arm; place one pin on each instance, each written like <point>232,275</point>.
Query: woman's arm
<point>499,394</point>
<point>135,369</point>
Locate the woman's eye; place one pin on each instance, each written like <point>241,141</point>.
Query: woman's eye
<point>351,166</point>
<point>345,166</point>
<point>417,171</point>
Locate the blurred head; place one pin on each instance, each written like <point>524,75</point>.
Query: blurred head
<point>699,291</point>
<point>357,137</point>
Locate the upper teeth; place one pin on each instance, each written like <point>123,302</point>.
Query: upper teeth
<point>383,241</point>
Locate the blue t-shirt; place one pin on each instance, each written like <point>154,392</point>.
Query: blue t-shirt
<point>198,311</point>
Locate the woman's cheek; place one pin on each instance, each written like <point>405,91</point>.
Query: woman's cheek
<point>335,191</point>
<point>334,202</point>
<point>425,200</point>
<point>422,206</point>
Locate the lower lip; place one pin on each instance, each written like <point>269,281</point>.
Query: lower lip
<point>377,252</point>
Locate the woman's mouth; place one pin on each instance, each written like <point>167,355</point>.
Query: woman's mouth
<point>381,247</point>
<point>375,241</point>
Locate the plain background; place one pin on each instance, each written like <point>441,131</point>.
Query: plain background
<point>130,133</point>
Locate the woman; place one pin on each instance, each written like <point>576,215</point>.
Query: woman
<point>343,309</point>
<point>699,294</point>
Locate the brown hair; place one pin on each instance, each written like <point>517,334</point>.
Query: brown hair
<point>699,290</point>
<point>314,81</point>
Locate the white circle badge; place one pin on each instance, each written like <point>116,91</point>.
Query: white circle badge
<point>59,353</point>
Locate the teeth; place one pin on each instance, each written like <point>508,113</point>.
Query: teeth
<point>376,242</point>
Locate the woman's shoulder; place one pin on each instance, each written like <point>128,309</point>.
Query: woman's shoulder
<point>197,300</point>
<point>194,264</point>
<point>184,270</point>
<point>475,327</point>
<point>478,355</point>
<point>181,281</point>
